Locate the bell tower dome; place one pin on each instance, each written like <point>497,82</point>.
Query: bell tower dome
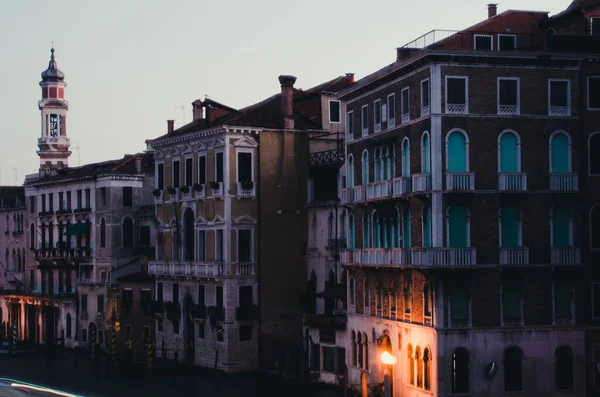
<point>53,143</point>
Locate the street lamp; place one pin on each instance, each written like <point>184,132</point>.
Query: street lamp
<point>388,360</point>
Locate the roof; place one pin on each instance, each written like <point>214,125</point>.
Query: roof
<point>139,277</point>
<point>576,6</point>
<point>122,166</point>
<point>12,197</point>
<point>267,113</point>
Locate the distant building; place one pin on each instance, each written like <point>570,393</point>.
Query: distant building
<point>231,196</point>
<point>471,210</point>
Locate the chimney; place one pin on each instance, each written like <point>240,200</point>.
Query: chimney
<point>492,10</point>
<point>198,113</point>
<point>170,124</point>
<point>350,77</point>
<point>287,101</point>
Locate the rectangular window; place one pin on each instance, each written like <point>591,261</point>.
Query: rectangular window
<point>175,292</point>
<point>559,98</point>
<point>201,245</point>
<point>245,296</point>
<point>334,112</point>
<point>145,299</point>
<point>244,245</point>
<point>32,279</point>
<point>32,204</point>
<point>102,197</point>
<point>244,163</point>
<point>594,93</point>
<point>377,115</point>
<point>405,105</point>
<point>365,120</point>
<point>507,42</point>
<point>391,110</point>
<point>219,168</point>
<point>145,236</point>
<point>245,332</point>
<point>349,126</point>
<point>100,305</point>
<point>79,199</point>
<point>69,200</point>
<point>508,96</point>
<point>483,42</point>
<point>201,295</point>
<point>460,306</point>
<point>219,245</point>
<point>84,302</point>
<point>127,299</point>
<point>329,358</point>
<point>160,176</point>
<point>84,335</point>
<point>201,169</point>
<point>595,26</point>
<point>176,173</point>
<point>159,292</point>
<point>425,98</point>
<point>189,172</point>
<point>219,296</point>
<point>61,204</point>
<point>103,276</point>
<point>456,95</point>
<point>127,196</point>
<point>50,201</point>
<point>88,198</point>
<point>43,202</point>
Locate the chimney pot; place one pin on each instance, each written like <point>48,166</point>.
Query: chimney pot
<point>198,111</point>
<point>287,100</point>
<point>350,76</point>
<point>492,8</point>
<point>170,126</point>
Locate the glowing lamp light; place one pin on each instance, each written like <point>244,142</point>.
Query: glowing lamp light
<point>387,358</point>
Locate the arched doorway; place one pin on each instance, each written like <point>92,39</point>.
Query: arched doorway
<point>188,332</point>
<point>188,220</point>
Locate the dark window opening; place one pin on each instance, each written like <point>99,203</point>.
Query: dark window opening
<point>175,174</point>
<point>127,232</point>
<point>189,172</point>
<point>160,178</point>
<point>594,92</point>
<point>127,196</point>
<point>202,170</point>
<point>244,167</point>
<point>219,295</point>
<point>145,236</point>
<point>159,292</point>
<point>245,333</point>
<point>513,369</point>
<point>219,168</point>
<point>507,42</point>
<point>564,368</point>
<point>244,245</point>
<point>559,93</point>
<point>425,93</point>
<point>334,112</point>
<point>457,91</point>
<point>483,42</point>
<point>245,296</point>
<point>508,92</point>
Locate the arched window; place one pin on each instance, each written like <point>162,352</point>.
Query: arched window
<point>382,163</point>
<point>395,233</point>
<point>457,152</point>
<point>102,233</point>
<point>13,262</point>
<point>389,163</point>
<point>127,232</point>
<point>343,225</point>
<point>411,365</point>
<point>593,150</point>
<point>376,231</point>
<point>595,226</point>
<point>560,153</point>
<point>377,164</point>
<point>354,352</point>
<point>425,154</point>
<point>427,300</point>
<point>426,226</point>
<point>563,357</point>
<point>406,227</point>
<point>513,369</point>
<point>562,293</point>
<point>367,293</point>
<point>350,175</point>
<point>32,236</point>
<point>405,158</point>
<point>352,292</point>
<point>509,153</point>
<point>419,363</point>
<point>460,371</point>
<point>458,227</point>
<point>511,302</point>
<point>68,325</point>
<point>359,347</point>
<point>366,231</point>
<point>351,231</point>
<point>365,168</point>
<point>330,225</point>
<point>365,342</point>
<point>510,226</point>
<point>407,296</point>
<point>562,227</point>
<point>426,369</point>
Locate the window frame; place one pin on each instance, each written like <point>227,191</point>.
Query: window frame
<point>572,302</point>
<point>123,232</point>
<point>518,95</point>
<point>173,161</point>
<point>157,173</point>
<point>237,158</point>
<point>588,89</point>
<point>404,117</point>
<point>446,104</point>
<point>217,245</point>
<point>391,104</point>
<point>339,111</point>
<point>237,237</point>
<point>489,36</point>
<point>216,179</point>
<point>514,36</point>
<point>376,125</point>
<point>571,236</point>
<point>521,304</point>
<point>349,127</point>
<point>203,154</point>
<point>364,119</point>
<point>519,225</point>
<point>185,171</point>
<point>569,99</point>
<point>592,23</point>
<point>425,109</point>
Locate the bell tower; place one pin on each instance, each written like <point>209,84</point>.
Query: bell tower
<point>53,143</point>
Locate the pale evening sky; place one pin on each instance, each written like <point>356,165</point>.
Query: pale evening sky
<point>128,64</point>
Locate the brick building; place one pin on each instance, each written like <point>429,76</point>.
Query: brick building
<point>228,184</point>
<point>469,196</point>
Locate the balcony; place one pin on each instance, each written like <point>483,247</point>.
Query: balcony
<point>379,190</point>
<point>563,182</point>
<point>216,313</point>
<point>508,110</point>
<point>512,181</point>
<point>217,189</point>
<point>376,256</point>
<point>359,193</point>
<point>456,108</point>
<point>92,281</point>
<point>158,196</point>
<point>460,181</point>
<point>173,194</point>
<point>201,269</point>
<point>64,211</point>
<point>62,253</point>
<point>514,256</point>
<point>401,185</point>
<point>421,183</point>
<point>444,257</point>
<point>84,210</point>
<point>347,196</point>
<point>565,256</point>
<point>46,213</point>
<point>246,313</point>
<point>244,269</point>
<point>185,193</point>
<point>246,190</point>
<point>199,190</point>
<point>559,111</point>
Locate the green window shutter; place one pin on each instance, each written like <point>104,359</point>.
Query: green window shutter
<point>456,152</point>
<point>560,227</point>
<point>508,153</point>
<point>460,302</point>
<point>510,227</point>
<point>560,153</point>
<point>511,300</point>
<point>562,300</point>
<point>426,155</point>
<point>458,227</point>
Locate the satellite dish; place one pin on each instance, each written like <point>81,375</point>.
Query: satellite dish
<point>490,370</point>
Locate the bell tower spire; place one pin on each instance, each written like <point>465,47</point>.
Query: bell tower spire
<point>53,143</point>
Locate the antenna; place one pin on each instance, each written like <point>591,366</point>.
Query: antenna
<point>182,109</point>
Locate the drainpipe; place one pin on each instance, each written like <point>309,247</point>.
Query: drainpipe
<point>257,186</point>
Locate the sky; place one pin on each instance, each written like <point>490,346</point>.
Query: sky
<point>131,65</point>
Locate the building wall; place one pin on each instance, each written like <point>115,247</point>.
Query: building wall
<point>12,238</point>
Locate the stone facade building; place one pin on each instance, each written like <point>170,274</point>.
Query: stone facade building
<point>468,202</point>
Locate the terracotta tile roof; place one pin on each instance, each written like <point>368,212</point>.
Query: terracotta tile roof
<point>123,166</point>
<point>267,113</point>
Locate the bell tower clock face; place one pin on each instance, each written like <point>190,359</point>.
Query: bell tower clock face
<point>53,125</point>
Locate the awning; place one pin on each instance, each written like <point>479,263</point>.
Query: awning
<point>77,229</point>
